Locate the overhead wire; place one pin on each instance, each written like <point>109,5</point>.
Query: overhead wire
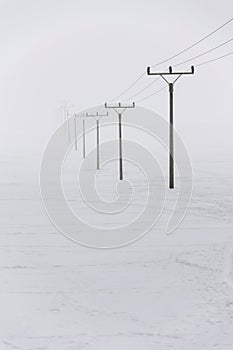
<point>204,53</point>
<point>174,56</point>
<point>140,91</point>
<point>124,92</point>
<point>194,44</point>
<point>154,93</point>
<point>214,59</point>
<point>197,65</point>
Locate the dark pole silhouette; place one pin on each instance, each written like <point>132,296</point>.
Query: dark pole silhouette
<point>171,139</point>
<point>97,144</point>
<point>120,148</point>
<point>120,109</point>
<point>171,118</point>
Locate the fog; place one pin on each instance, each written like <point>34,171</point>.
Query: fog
<point>86,52</point>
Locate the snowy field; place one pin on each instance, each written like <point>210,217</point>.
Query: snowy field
<point>162,292</point>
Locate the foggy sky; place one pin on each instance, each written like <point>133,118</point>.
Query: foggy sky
<point>86,52</point>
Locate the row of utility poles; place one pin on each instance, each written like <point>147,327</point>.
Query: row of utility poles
<point>97,116</point>
<point>120,108</point>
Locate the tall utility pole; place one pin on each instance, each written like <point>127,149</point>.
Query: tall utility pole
<point>97,117</point>
<point>120,109</point>
<point>171,110</point>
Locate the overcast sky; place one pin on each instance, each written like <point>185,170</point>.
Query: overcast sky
<point>87,52</point>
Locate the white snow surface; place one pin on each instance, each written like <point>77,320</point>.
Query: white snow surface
<point>162,292</point>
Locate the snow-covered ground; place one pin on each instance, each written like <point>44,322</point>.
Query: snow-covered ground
<point>163,292</point>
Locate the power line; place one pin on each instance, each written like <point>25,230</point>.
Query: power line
<point>197,65</point>
<point>214,59</point>
<point>193,45</point>
<point>140,91</point>
<point>169,58</point>
<point>124,92</point>
<point>157,91</point>
<point>204,53</point>
<point>154,93</point>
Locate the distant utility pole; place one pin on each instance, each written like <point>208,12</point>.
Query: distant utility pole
<point>62,116</point>
<point>120,109</point>
<point>97,117</point>
<point>171,126</point>
<point>65,110</point>
<point>67,118</point>
<point>75,132</point>
<point>84,137</point>
<point>82,116</point>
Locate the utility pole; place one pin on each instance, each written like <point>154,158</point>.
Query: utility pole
<point>97,117</point>
<point>65,110</point>
<point>171,113</point>
<point>67,118</point>
<point>84,132</point>
<point>120,109</point>
<point>75,132</point>
<point>84,137</point>
<point>62,116</point>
